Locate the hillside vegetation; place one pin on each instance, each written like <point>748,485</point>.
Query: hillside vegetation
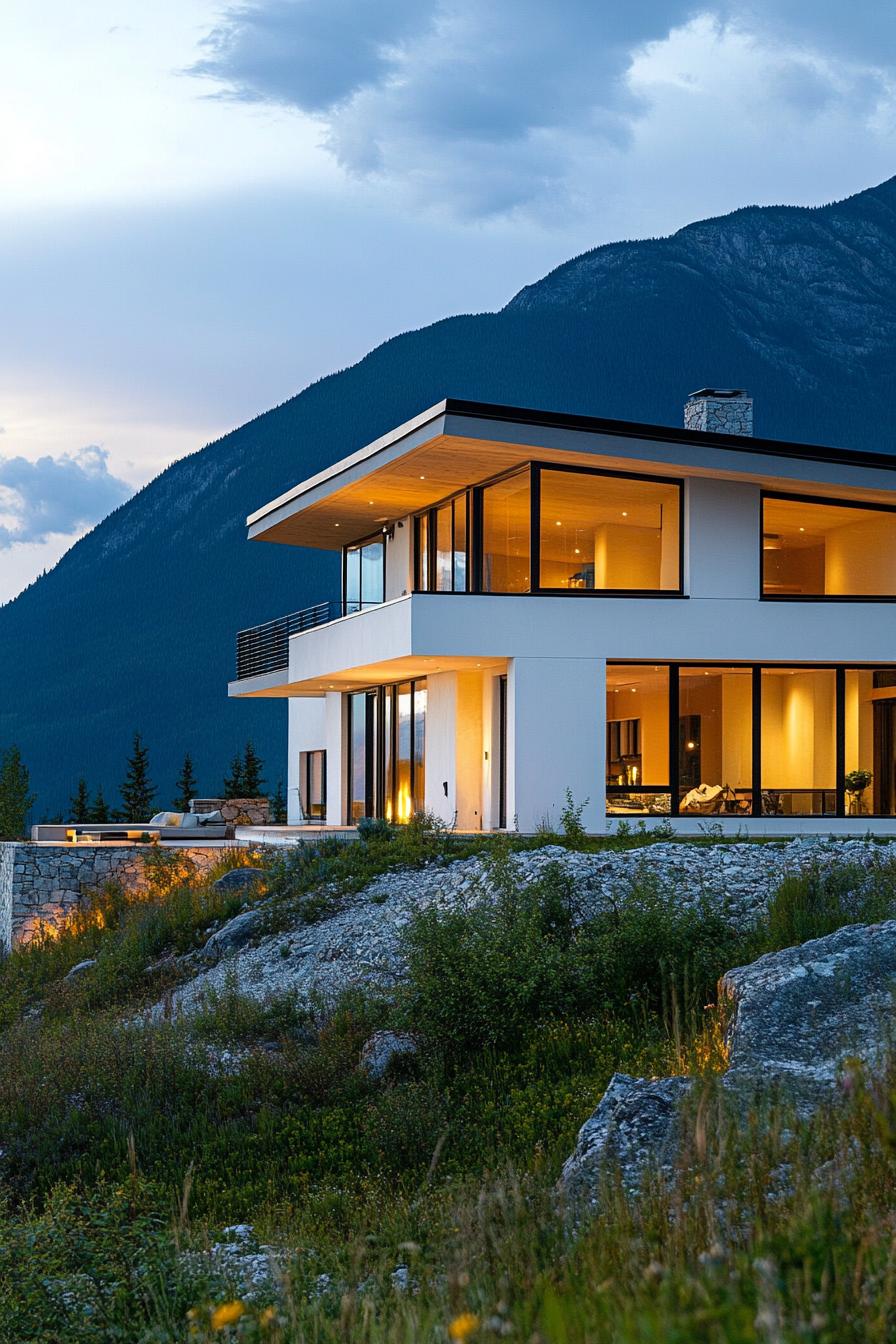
<point>135,628</point>
<point>422,1206</point>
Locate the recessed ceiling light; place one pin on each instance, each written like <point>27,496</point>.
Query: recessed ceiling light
<point>625,513</point>
<point>335,524</point>
<point>423,478</point>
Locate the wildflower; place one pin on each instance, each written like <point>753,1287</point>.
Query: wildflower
<point>267,1317</point>
<point>463,1326</point>
<point>227,1314</point>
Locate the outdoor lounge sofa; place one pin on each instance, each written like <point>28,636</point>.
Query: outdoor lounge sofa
<point>188,827</point>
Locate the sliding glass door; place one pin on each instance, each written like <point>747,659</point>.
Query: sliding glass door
<point>386,729</point>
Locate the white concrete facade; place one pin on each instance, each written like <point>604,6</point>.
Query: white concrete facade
<point>553,650</point>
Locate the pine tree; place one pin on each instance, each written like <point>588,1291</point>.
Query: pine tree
<point>16,797</point>
<point>137,791</point>
<point>186,786</point>
<point>99,808</point>
<point>253,777</point>
<point>278,805</point>
<point>233,782</point>
<point>79,803</point>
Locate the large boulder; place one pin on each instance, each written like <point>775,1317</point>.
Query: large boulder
<point>382,1048</point>
<point>634,1129</point>
<point>796,1017</point>
<point>234,934</point>
<point>239,879</point>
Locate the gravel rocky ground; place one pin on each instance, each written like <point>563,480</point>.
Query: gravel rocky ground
<point>361,942</point>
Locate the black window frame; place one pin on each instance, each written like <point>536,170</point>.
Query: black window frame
<point>673,788</point>
<point>375,762</point>
<point>432,543</point>
<point>358,546</point>
<point>474,549</point>
<point>539,467</point>
<point>305,773</point>
<point>815,499</point>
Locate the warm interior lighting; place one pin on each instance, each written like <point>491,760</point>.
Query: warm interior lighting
<point>404,804</point>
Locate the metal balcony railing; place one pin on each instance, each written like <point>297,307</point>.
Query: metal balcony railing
<point>265,648</point>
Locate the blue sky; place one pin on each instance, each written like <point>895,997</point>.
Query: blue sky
<point>205,206</point>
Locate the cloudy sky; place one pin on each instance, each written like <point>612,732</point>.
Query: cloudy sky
<point>204,206</point>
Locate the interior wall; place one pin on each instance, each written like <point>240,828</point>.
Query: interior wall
<point>861,557</point>
<point>627,557</point>
<point>798,738</point>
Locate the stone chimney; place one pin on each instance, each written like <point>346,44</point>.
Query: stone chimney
<point>719,410</point>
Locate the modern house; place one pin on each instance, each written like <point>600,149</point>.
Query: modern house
<point>674,624</point>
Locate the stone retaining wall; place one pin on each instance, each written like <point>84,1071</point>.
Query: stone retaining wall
<point>42,884</point>
<point>236,811</point>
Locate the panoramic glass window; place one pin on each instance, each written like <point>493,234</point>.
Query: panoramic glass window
<point>637,739</point>
<point>799,741</point>
<point>365,574</point>
<point>715,740</point>
<point>870,742</point>
<point>608,532</point>
<point>814,549</point>
<point>506,566</point>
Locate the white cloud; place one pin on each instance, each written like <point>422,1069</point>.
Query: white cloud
<point>55,496</point>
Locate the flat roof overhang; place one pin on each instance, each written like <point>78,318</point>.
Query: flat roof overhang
<point>457,443</point>
<point>382,673</point>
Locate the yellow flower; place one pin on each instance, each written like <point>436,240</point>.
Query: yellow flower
<point>267,1317</point>
<point>463,1326</point>
<point>227,1314</point>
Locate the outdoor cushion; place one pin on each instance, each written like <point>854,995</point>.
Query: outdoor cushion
<point>166,819</point>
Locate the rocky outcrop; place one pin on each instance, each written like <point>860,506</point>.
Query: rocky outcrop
<point>634,1129</point>
<point>382,1049</point>
<point>798,1015</point>
<point>240,879</point>
<point>236,933</point>
<point>797,1018</point>
<point>362,942</point>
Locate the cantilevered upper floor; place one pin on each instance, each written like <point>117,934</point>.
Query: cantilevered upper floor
<point>484,501</point>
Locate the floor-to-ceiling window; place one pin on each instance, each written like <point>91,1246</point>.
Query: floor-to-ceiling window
<point>715,739</point>
<point>313,784</point>
<point>745,739</point>
<point>364,574</point>
<point>870,741</point>
<point>638,778</point>
<point>799,741</point>
<point>387,751</point>
<point>607,533</point>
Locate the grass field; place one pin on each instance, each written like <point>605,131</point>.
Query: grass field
<point>125,1151</point>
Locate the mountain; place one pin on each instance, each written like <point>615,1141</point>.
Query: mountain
<point>134,628</point>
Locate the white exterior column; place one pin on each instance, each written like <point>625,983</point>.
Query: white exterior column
<point>307,732</point>
<point>337,751</point>
<point>453,785</point>
<point>556,740</point>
